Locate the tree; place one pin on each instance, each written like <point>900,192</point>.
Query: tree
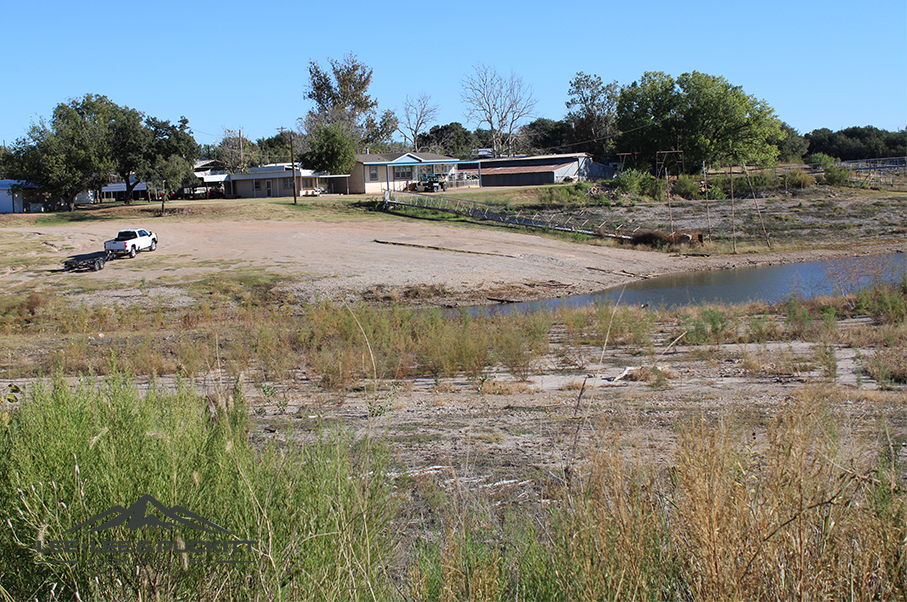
<point>171,173</point>
<point>341,97</point>
<point>452,140</point>
<point>502,103</point>
<point>704,116</point>
<point>592,112</point>
<point>129,140</point>
<point>791,146</point>
<point>236,152</point>
<point>172,156</point>
<point>546,136</point>
<point>417,113</point>
<point>170,139</point>
<point>275,149</point>
<point>70,154</point>
<point>332,149</point>
<point>855,143</point>
<point>722,123</point>
<point>647,116</point>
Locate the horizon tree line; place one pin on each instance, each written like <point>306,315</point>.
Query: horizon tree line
<point>706,117</point>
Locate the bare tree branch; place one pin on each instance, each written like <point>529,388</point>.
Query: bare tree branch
<point>501,103</point>
<point>417,114</point>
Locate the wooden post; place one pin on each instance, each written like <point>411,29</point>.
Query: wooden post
<point>292,165</point>
<point>733,210</point>
<point>708,210</point>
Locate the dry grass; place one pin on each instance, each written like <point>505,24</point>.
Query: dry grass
<point>797,515</point>
<point>502,387</point>
<point>802,510</point>
<point>330,208</point>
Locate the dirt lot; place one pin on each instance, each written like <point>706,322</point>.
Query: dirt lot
<point>341,260</point>
<point>463,264</point>
<point>499,433</point>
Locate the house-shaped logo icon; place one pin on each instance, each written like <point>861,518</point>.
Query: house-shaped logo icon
<point>136,517</point>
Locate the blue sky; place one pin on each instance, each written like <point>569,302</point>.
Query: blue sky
<point>236,65</point>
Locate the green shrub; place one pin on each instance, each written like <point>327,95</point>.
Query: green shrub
<point>520,341</point>
<point>716,193</point>
<point>818,158</point>
<point>798,179</point>
<point>723,184</point>
<point>762,181</point>
<point>654,188</point>
<point>799,320</point>
<point>686,187</point>
<point>836,175</point>
<point>631,181</point>
<point>565,194</point>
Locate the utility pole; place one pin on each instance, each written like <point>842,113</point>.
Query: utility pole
<point>292,163</point>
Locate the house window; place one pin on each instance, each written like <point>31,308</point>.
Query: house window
<point>257,185</point>
<point>373,173</point>
<point>307,183</point>
<point>287,183</point>
<point>403,173</point>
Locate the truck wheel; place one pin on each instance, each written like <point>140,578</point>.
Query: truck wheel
<point>153,245</point>
<point>131,252</point>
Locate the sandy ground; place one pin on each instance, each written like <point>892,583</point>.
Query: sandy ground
<point>343,260</point>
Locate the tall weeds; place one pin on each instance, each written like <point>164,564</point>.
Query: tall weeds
<point>805,512</point>
<point>317,515</point>
<point>800,509</point>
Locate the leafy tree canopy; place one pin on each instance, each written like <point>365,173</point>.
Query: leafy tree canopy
<point>856,143</point>
<point>129,141</point>
<point>546,136</point>
<point>341,96</point>
<point>332,149</point>
<point>68,155</point>
<point>592,113</point>
<point>275,149</point>
<point>237,152</point>
<point>704,116</point>
<point>791,146</point>
<point>172,154</point>
<point>452,140</point>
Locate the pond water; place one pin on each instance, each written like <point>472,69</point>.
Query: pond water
<point>771,284</point>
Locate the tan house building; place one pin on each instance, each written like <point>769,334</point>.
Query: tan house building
<point>374,174</point>
<point>277,181</point>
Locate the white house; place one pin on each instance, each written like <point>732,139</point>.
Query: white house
<point>373,174</point>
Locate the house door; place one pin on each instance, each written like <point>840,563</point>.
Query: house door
<point>268,188</point>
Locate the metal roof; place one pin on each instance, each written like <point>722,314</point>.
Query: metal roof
<point>405,159</point>
<point>121,187</point>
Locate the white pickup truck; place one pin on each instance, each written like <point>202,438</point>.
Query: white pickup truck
<point>130,242</point>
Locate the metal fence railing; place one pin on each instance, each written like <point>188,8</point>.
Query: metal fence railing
<point>579,224</point>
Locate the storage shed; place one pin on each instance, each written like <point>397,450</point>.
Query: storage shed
<point>536,171</point>
<point>11,202</point>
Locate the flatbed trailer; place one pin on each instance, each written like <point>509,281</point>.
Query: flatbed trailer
<point>87,261</point>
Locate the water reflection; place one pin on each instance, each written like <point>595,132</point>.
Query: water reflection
<point>770,284</point>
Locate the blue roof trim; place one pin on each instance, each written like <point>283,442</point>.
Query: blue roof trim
<point>7,184</point>
<point>395,163</point>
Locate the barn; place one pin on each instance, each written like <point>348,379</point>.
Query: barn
<point>538,170</point>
